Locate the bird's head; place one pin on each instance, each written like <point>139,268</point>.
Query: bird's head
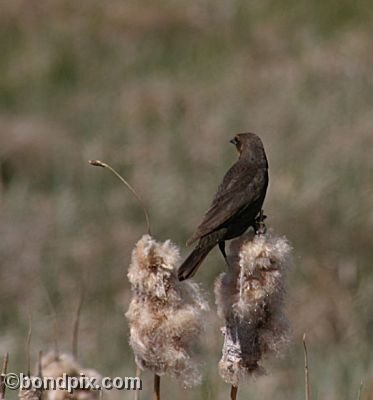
<point>247,143</point>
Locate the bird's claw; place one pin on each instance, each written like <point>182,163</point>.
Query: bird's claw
<point>259,226</point>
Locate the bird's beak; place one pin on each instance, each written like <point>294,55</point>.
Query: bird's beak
<point>234,141</point>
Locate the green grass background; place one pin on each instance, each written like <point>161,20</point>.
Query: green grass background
<point>157,88</point>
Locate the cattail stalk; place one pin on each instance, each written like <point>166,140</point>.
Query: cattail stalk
<point>165,315</point>
<point>138,375</point>
<point>157,387</point>
<point>98,163</point>
<point>250,298</point>
<point>234,390</point>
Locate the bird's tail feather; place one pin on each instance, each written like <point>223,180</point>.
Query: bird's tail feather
<point>190,266</point>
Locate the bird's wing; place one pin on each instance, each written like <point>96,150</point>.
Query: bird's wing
<point>240,187</point>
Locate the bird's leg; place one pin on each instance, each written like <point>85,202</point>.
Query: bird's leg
<point>222,249</point>
<point>260,227</point>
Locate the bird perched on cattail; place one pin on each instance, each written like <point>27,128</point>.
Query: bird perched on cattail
<point>236,204</point>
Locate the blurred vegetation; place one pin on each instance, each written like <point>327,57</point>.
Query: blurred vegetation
<point>157,89</point>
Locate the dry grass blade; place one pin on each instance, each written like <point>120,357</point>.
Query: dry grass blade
<point>55,323</point>
<point>360,391</point>
<point>77,322</point>
<point>157,387</point>
<point>40,374</point>
<point>28,348</point>
<point>40,371</point>
<point>98,163</point>
<point>4,370</point>
<point>306,370</point>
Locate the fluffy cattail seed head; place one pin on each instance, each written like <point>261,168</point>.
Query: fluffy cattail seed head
<point>30,394</point>
<point>250,298</point>
<point>165,315</point>
<point>56,365</point>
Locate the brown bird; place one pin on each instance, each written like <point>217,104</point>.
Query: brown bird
<point>236,204</point>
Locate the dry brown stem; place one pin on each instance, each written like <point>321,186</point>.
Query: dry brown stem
<point>32,393</point>
<point>306,370</point>
<point>4,370</point>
